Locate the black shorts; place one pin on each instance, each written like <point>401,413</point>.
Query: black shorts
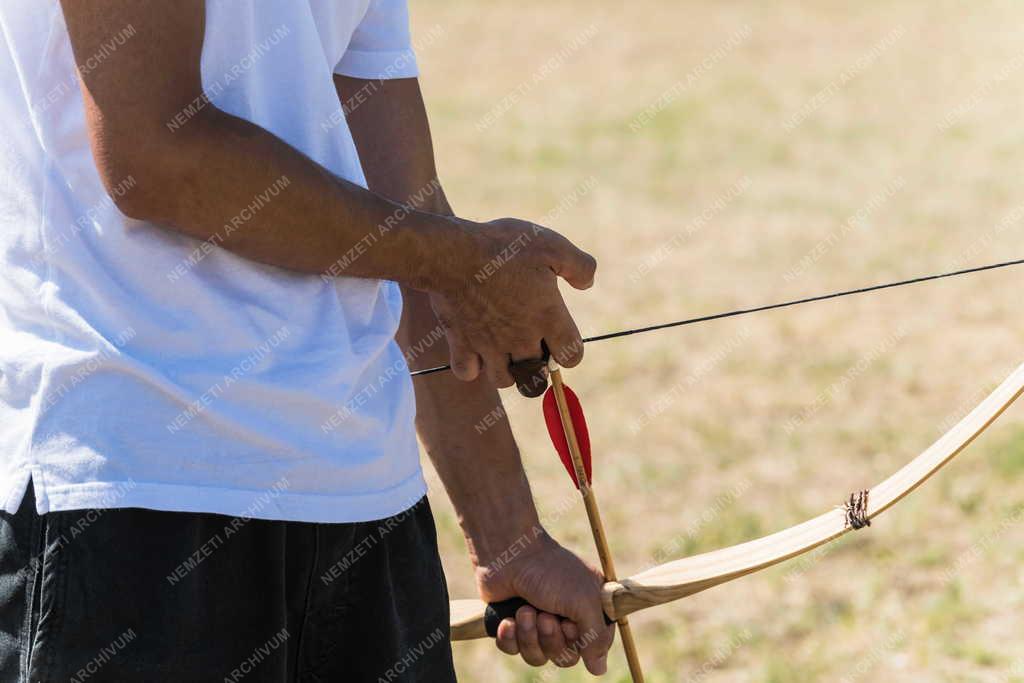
<point>133,595</point>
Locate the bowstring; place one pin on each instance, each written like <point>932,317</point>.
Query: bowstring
<point>769,307</point>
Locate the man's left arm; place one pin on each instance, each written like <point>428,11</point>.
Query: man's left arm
<point>463,426</point>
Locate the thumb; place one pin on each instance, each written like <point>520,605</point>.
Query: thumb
<point>464,361</point>
<point>572,264</point>
<point>595,639</point>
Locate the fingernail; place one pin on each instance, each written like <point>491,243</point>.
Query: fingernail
<point>545,626</point>
<point>601,665</point>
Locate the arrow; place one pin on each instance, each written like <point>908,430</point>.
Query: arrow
<point>567,427</point>
<point>681,578</point>
<point>557,430</point>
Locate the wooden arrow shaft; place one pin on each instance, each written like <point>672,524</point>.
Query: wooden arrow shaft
<point>594,516</point>
<point>681,578</point>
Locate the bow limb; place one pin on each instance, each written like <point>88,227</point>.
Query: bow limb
<point>467,619</point>
<point>681,578</point>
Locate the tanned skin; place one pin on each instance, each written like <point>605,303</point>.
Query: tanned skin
<point>482,472</point>
<point>193,178</point>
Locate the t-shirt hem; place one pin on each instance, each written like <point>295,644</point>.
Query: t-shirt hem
<point>276,504</point>
<point>378,65</point>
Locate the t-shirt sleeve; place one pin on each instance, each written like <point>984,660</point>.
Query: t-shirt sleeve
<point>381,46</point>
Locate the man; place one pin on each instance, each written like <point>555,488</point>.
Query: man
<point>209,468</point>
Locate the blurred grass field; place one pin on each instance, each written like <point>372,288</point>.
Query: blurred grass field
<point>723,154</point>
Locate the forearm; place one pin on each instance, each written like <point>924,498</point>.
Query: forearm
<point>216,177</point>
<point>462,425</point>
<point>243,189</point>
<point>466,433</point>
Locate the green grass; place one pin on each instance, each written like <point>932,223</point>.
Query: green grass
<point>962,336</point>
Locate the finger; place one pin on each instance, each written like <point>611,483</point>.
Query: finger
<point>526,635</point>
<point>526,351</point>
<point>595,639</point>
<point>570,630</point>
<point>565,343</point>
<point>597,666</point>
<point>465,362</point>
<point>553,642</point>
<point>595,649</point>
<point>572,264</point>
<point>506,638</point>
<point>496,368</point>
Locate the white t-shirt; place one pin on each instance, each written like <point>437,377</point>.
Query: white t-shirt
<point>143,368</point>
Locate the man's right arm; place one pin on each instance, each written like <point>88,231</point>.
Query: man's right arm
<point>195,176</point>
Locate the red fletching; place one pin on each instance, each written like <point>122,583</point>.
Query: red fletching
<point>554,423</point>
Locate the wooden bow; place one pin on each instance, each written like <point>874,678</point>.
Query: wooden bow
<point>680,578</point>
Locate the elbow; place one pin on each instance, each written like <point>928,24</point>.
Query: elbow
<point>129,195</point>
<point>134,182</point>
<point>144,173</point>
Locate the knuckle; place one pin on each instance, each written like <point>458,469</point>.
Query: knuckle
<point>535,659</point>
<point>527,639</point>
<point>589,264</point>
<point>557,653</point>
<point>566,660</point>
<point>548,245</point>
